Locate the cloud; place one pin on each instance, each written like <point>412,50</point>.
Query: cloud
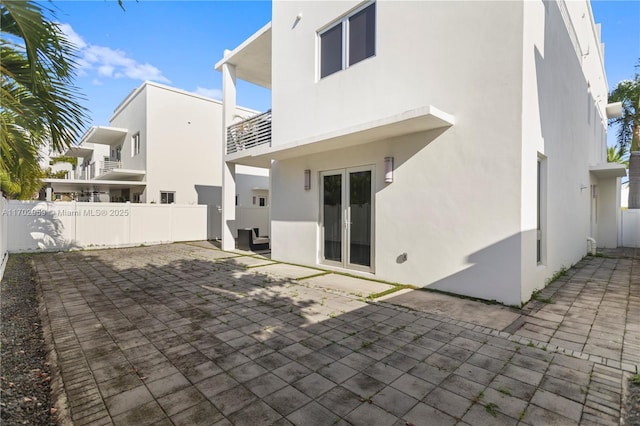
<point>209,93</point>
<point>73,36</point>
<point>109,62</point>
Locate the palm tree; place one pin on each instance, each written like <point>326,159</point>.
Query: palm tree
<point>618,154</point>
<point>628,93</point>
<point>38,101</point>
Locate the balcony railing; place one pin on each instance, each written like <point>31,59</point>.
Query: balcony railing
<point>107,166</point>
<point>249,133</point>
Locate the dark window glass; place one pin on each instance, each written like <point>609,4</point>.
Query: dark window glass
<point>331,51</point>
<point>332,200</point>
<point>362,35</point>
<point>167,197</point>
<point>360,218</point>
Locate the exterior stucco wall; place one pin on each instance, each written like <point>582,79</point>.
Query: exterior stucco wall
<point>180,144</point>
<point>427,53</point>
<point>459,236</point>
<point>131,115</point>
<point>454,205</point>
<point>184,144</point>
<point>564,94</point>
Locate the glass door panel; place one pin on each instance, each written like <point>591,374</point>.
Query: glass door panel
<point>332,217</point>
<point>359,220</point>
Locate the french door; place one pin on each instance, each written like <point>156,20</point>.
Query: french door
<point>347,217</point>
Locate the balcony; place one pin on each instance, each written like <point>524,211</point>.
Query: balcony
<point>249,133</point>
<point>108,165</point>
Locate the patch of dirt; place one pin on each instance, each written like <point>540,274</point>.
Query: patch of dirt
<point>25,375</point>
<point>632,411</point>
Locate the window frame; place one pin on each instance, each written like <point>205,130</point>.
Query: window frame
<point>345,44</point>
<point>173,195</point>
<point>135,144</point>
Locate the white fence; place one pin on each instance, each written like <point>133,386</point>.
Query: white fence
<point>3,234</point>
<point>631,228</point>
<point>38,225</point>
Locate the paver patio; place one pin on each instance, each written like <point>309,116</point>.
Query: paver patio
<point>188,334</point>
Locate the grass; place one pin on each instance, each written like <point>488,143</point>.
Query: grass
<point>491,408</point>
<point>391,290</point>
<point>635,379</point>
<point>536,296</point>
<point>504,390</point>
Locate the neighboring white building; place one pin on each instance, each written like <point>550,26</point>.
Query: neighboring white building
<point>158,149</point>
<point>458,146</point>
<point>624,195</point>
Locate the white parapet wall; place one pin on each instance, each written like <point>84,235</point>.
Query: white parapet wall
<point>631,228</point>
<point>53,226</point>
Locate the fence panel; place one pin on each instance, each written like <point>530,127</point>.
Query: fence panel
<point>631,228</point>
<point>38,225</point>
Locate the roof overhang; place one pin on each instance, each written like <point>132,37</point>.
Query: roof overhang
<point>81,151</point>
<point>252,59</point>
<point>121,174</point>
<point>104,135</point>
<point>413,121</point>
<point>608,170</point>
<point>77,185</point>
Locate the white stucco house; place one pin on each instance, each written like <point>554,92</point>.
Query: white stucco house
<point>459,146</point>
<point>158,149</point>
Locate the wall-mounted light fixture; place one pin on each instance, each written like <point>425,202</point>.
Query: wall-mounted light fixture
<point>307,180</point>
<point>388,169</point>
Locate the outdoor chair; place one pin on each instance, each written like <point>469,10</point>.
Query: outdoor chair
<point>248,240</point>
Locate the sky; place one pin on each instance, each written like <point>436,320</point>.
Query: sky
<point>178,43</point>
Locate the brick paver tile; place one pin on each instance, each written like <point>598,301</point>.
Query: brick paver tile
<point>523,374</point>
<point>125,401</point>
<point>312,414</point>
<point>142,414</point>
<point>233,399</point>
<point>488,415</point>
<point>426,415</point>
<point>204,413</point>
<point>180,400</point>
<point>291,372</point>
<point>273,360</point>
<point>256,413</point>
<point>340,400</point>
<point>539,416</point>
<point>286,400</point>
<point>557,404</point>
<point>517,388</point>
<point>314,385</point>
<point>369,414</point>
<point>448,402</point>
<point>413,386</point>
<point>506,403</point>
<point>476,374</point>
<point>383,372</point>
<point>265,384</point>
<point>168,384</point>
<point>394,401</point>
<point>216,384</point>
<point>429,373</point>
<point>462,386</point>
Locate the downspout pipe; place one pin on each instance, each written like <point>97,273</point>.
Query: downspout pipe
<point>592,245</point>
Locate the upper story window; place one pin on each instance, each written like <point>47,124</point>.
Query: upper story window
<point>135,144</point>
<point>167,197</point>
<point>348,41</point>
